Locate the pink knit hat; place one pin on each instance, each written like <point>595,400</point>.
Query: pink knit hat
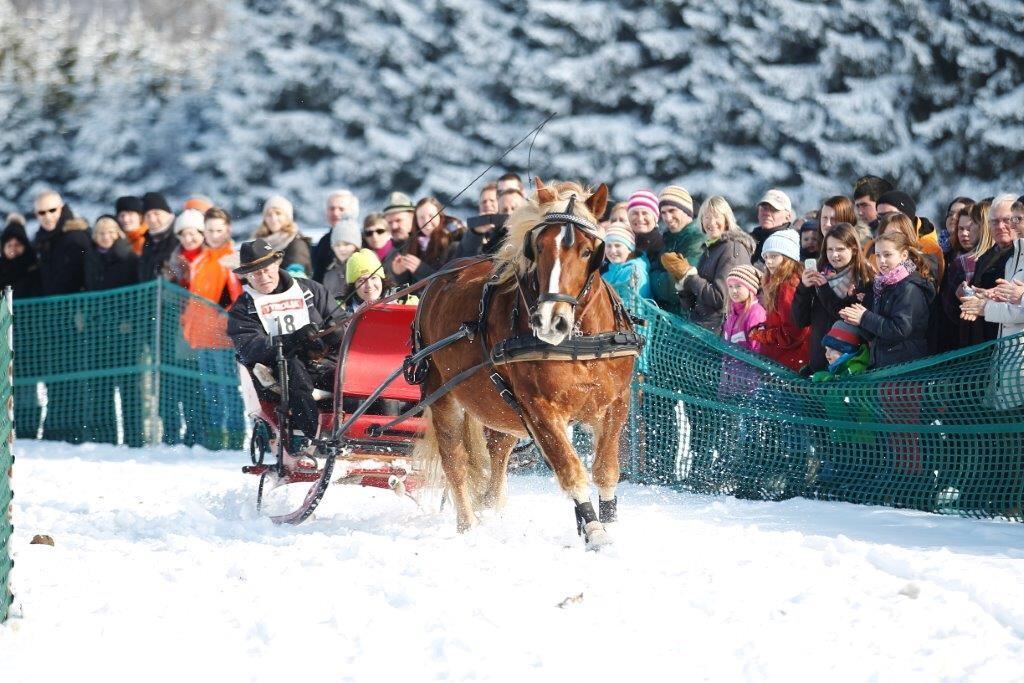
<point>644,199</point>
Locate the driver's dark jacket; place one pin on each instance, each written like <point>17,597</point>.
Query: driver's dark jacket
<point>252,343</point>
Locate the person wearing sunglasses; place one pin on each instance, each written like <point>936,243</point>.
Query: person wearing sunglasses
<point>61,252</point>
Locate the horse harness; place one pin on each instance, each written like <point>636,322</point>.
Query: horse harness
<point>622,341</point>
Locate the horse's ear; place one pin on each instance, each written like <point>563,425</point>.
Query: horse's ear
<point>545,194</point>
<point>598,201</point>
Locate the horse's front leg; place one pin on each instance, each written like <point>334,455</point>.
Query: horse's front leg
<point>607,435</point>
<point>548,429</point>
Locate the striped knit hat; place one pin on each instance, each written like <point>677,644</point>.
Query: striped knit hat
<point>746,276</point>
<point>677,196</point>
<point>843,337</point>
<point>644,199</point>
<point>621,233</point>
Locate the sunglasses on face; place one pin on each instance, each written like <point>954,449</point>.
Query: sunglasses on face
<point>371,233</point>
<point>43,212</point>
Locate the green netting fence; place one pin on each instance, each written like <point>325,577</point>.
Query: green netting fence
<point>137,366</point>
<point>943,434</point>
<point>6,453</point>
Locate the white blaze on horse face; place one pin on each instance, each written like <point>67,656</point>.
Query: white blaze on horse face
<point>555,318</point>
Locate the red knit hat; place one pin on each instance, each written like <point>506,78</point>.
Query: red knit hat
<point>843,337</point>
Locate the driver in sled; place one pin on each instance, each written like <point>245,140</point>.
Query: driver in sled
<point>273,305</point>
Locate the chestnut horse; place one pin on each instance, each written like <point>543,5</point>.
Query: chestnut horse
<point>543,284</point>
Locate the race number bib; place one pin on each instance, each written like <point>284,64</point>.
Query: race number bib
<point>282,313</point>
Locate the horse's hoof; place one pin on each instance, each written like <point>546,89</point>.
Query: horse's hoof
<point>596,535</point>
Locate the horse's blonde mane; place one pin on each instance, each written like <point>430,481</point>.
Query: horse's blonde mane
<point>523,220</point>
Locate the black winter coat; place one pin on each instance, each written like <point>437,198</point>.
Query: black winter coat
<point>61,256</point>
<point>818,308</point>
<point>252,343</point>
<point>118,267</point>
<point>156,252</point>
<point>896,322</point>
<point>704,295</point>
<point>760,235</point>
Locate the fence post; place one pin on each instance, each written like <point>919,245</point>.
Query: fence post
<point>6,455</point>
<point>154,411</point>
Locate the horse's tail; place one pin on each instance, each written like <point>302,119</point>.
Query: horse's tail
<point>427,456</point>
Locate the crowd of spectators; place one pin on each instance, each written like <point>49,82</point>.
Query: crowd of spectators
<point>867,269</point>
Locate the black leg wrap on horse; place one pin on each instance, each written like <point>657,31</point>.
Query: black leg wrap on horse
<point>608,510</point>
<point>584,515</point>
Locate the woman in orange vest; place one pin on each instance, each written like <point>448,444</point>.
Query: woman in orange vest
<point>205,330</point>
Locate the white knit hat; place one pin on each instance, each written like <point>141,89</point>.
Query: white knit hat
<point>189,218</point>
<point>346,230</point>
<point>785,242</point>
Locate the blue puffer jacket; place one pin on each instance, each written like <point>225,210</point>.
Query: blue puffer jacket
<point>621,276</point>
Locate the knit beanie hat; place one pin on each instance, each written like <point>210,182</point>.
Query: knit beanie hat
<point>346,230</point>
<point>281,204</point>
<point>189,218</point>
<point>785,242</point>
<point>620,233</point>
<point>199,203</point>
<point>677,196</point>
<point>129,204</point>
<point>745,275</point>
<point>901,200</point>
<point>363,262</point>
<point>843,337</point>
<point>644,199</point>
<point>155,200</point>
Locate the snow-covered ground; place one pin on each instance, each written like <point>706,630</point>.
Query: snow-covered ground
<point>163,572</point>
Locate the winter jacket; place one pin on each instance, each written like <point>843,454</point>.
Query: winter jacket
<point>760,235</point>
<point>896,322</point>
<point>928,239</point>
<point>297,251</point>
<point>22,273</point>
<point>156,252</point>
<point>252,342</point>
<point>946,325</point>
<point>781,340</point>
<point>334,280</point>
<point>61,256</point>
<point>116,267</point>
<point>690,243</point>
<point>740,321</point>
<point>856,364</point>
<point>704,295</point>
<point>629,279</point>
<point>990,267</point>
<point>1007,387</point>
<point>178,268</point>
<point>818,308</point>
<point>322,257</point>
<point>210,277</point>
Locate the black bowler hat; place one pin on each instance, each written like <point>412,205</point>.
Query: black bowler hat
<point>129,204</point>
<point>255,255</point>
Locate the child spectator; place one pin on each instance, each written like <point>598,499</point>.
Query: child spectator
<point>626,271</point>
<point>841,277</point>
<point>364,274</point>
<point>745,311</point>
<point>896,320</point>
<point>781,339</point>
<point>810,239</point>
<point>845,351</point>
<point>345,241</point>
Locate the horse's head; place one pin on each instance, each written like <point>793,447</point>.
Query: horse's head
<point>561,248</point>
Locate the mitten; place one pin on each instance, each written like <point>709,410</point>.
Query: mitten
<point>675,264</point>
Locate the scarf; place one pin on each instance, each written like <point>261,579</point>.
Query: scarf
<point>382,252</point>
<point>839,280</point>
<point>897,274</point>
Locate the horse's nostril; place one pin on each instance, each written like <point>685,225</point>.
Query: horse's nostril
<point>535,320</point>
<point>562,325</point>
